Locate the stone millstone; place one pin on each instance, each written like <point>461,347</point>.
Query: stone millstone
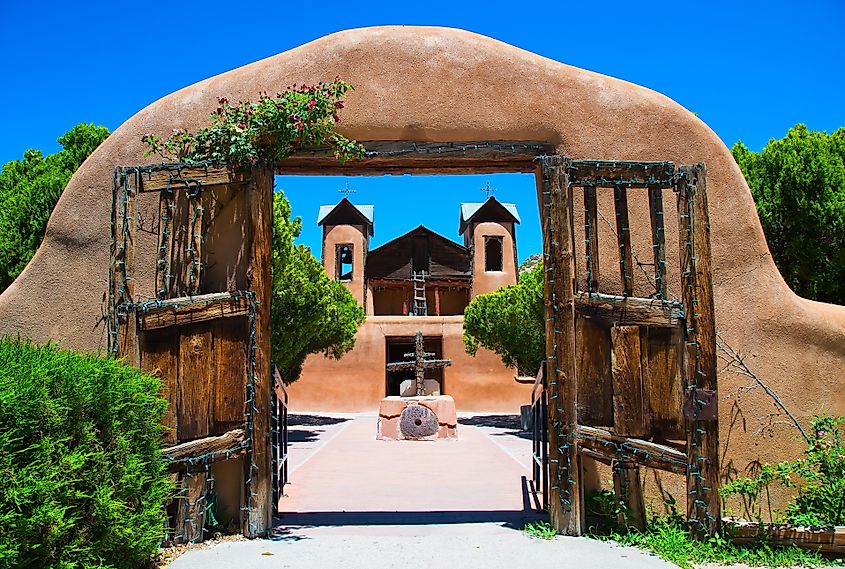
<point>418,422</point>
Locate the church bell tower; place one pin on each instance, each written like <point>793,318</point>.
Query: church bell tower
<point>347,229</point>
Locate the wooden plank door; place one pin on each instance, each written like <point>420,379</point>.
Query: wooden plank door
<point>630,378</point>
<point>191,303</point>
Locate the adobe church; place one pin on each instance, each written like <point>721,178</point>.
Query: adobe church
<point>420,281</point>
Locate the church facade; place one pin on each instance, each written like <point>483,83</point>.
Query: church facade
<point>418,282</point>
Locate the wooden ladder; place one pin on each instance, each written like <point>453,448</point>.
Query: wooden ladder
<point>420,304</point>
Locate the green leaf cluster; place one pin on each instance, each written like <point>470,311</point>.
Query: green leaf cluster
<point>269,129</point>
<point>29,190</point>
<point>83,478</point>
<point>509,321</point>
<point>310,313</point>
<point>818,479</point>
<point>798,185</point>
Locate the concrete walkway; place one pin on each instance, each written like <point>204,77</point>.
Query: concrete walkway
<point>357,502</point>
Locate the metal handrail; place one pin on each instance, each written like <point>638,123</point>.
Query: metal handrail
<point>279,434</point>
<point>539,382</point>
<point>540,435</point>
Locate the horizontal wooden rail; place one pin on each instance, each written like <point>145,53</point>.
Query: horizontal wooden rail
<point>597,456</point>
<point>453,283</point>
<point>227,445</point>
<point>192,309</point>
<point>157,178</point>
<point>629,311</point>
<point>637,451</point>
<point>381,157</point>
<point>629,174</point>
<point>829,539</point>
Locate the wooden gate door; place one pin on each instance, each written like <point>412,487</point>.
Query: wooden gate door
<point>189,301</point>
<point>631,368</point>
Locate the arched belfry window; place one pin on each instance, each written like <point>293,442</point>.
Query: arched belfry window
<point>492,253</point>
<point>343,262</point>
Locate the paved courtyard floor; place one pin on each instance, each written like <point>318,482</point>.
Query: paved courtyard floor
<point>356,502</point>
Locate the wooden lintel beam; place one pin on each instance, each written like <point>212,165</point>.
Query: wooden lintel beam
<point>192,309</point>
<point>227,445</point>
<point>629,311</point>
<point>445,167</point>
<point>630,174</point>
<point>407,157</point>
<point>382,157</point>
<point>637,451</point>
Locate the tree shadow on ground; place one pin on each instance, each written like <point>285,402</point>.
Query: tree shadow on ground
<point>313,420</point>
<point>283,533</point>
<point>512,423</point>
<point>303,436</point>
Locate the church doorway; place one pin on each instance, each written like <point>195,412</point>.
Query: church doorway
<point>401,382</point>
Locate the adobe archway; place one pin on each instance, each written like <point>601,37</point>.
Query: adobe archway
<point>467,87</point>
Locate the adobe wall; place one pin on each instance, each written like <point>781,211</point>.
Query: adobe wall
<point>466,87</point>
<point>356,382</point>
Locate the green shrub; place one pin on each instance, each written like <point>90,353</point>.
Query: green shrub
<point>83,480</point>
<point>310,313</point>
<point>818,479</point>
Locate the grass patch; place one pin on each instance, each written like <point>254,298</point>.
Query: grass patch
<point>669,538</point>
<point>540,530</point>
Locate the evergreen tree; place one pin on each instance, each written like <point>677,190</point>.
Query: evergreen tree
<point>310,312</point>
<point>509,321</point>
<point>29,190</point>
<point>798,185</point>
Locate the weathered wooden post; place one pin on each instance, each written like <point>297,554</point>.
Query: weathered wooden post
<point>699,369</point>
<point>125,325</point>
<point>555,201</point>
<point>258,494</point>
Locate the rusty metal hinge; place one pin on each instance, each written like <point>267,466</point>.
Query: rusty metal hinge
<point>701,404</point>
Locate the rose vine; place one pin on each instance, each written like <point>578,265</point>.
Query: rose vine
<point>269,129</point>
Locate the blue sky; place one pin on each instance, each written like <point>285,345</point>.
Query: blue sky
<point>404,202</point>
<point>749,69</point>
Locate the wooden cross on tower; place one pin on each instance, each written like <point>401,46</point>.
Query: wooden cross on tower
<point>347,190</point>
<point>420,363</point>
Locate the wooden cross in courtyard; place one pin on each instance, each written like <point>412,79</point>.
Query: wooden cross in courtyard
<point>419,364</point>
